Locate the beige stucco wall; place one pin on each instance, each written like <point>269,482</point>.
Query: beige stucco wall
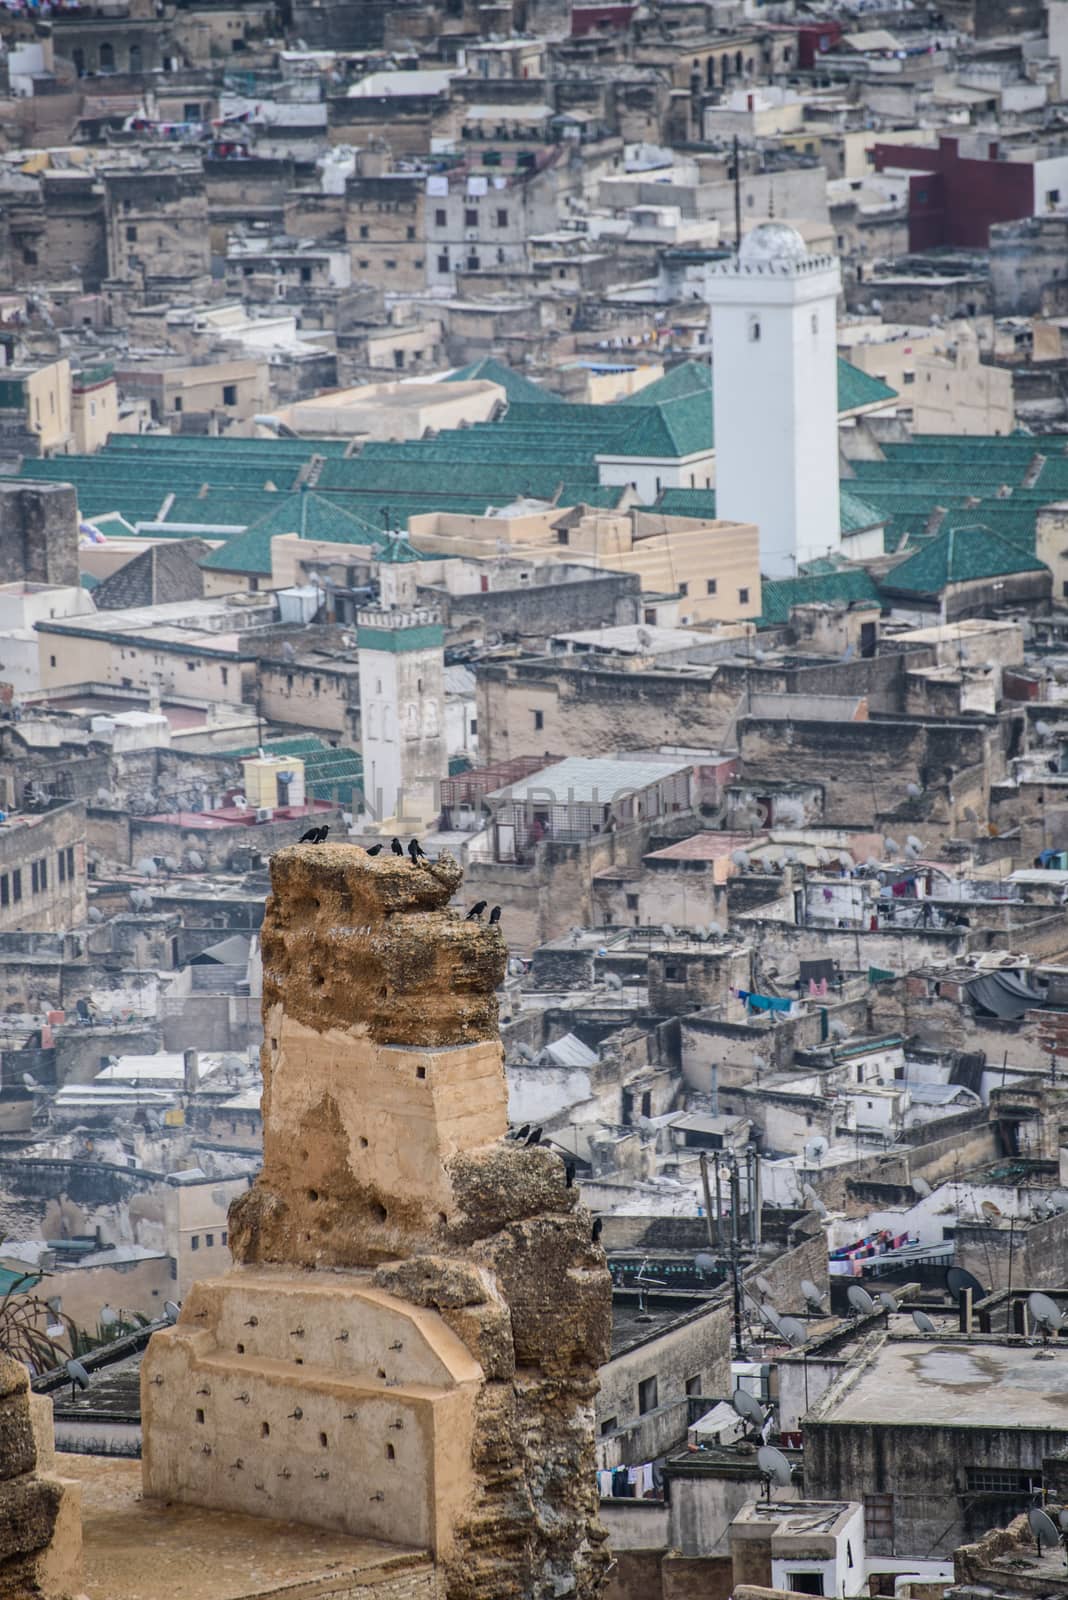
<point>66,659</point>
<point>364,1425</point>
<point>48,408</point>
<point>94,414</point>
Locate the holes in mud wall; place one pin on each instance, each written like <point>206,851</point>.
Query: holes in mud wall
<point>443,1219</point>
<point>318,978</point>
<point>200,1413</point>
<point>379,1212</point>
<point>420,1072</point>
<point>382,1373</point>
<point>391,1454</point>
<point>313,1195</point>
<point>324,1441</point>
<point>240,1349</point>
<point>363,1142</point>
<point>265,1430</point>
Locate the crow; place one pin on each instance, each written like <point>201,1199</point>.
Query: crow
<point>495,916</point>
<point>415,850</point>
<point>519,1133</point>
<point>595,1231</point>
<point>475,913</point>
<point>397,848</point>
<point>569,1172</point>
<point>314,836</point>
<point>374,850</point>
<point>533,1138</point>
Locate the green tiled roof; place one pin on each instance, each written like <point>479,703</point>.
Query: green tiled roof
<point>857,389</point>
<point>515,386</point>
<point>960,555</point>
<point>689,377</point>
<point>827,588</point>
<point>307,514</point>
<point>331,772</point>
<point>854,513</point>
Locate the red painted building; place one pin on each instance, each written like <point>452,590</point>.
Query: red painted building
<point>587,18</point>
<point>815,39</point>
<point>953,199</point>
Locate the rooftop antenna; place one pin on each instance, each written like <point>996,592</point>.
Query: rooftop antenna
<point>774,1468</point>
<point>959,1279</point>
<point>813,1298</point>
<point>737,199</point>
<point>860,1300</point>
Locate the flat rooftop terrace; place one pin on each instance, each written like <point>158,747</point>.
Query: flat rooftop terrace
<point>982,1383</point>
<point>138,1549</point>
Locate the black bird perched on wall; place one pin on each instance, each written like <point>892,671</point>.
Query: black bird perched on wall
<point>595,1231</point>
<point>520,1133</point>
<point>475,913</point>
<point>569,1172</point>
<point>534,1137</point>
<point>374,850</point>
<point>314,836</point>
<point>415,850</point>
<point>495,916</point>
<point>397,847</point>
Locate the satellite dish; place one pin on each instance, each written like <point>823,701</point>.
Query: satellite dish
<point>775,1467</point>
<point>771,1317</point>
<point>921,1187</point>
<point>860,1300</point>
<point>1043,1527</point>
<point>815,1150</point>
<point>958,1280</point>
<point>763,1285</point>
<point>923,1322</point>
<point>1045,1313</point>
<point>77,1374</point>
<point>989,1209</point>
<point>813,1298</point>
<point>812,1199</point>
<point>171,1310</point>
<point>887,1301</point>
<point>793,1330</point>
<point>747,1406</point>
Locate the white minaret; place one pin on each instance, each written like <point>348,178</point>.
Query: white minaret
<point>775,395</point>
<point>402,713</point>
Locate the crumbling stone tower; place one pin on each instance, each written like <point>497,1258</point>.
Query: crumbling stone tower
<point>40,1513</point>
<point>408,1346</point>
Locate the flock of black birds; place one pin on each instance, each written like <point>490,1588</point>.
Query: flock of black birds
<point>417,854</point>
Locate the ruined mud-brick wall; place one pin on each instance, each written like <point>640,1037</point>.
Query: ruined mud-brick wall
<point>40,1524</point>
<point>385,1110</point>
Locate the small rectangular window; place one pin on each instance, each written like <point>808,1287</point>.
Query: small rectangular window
<point>411,232</point>
<point>443,263</point>
<point>5,889</point>
<point>62,868</point>
<point>194,1243</point>
<point>646,1396</point>
<point>70,860</point>
<point>743,597</point>
<point>229,394</point>
<point>502,217</point>
<point>710,586</point>
<point>632,902</point>
<point>539,721</point>
<point>439,218</point>
<point>44,872</point>
<point>693,1385</point>
<point>365,232</point>
<point>209,1240</point>
<point>471,217</point>
<point>16,884</point>
<point>34,880</point>
<point>131,234</point>
<point>684,589</point>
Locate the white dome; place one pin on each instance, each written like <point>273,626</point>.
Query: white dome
<point>772,241</point>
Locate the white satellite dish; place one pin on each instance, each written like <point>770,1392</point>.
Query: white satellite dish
<point>923,1322</point>
<point>748,1406</point>
<point>860,1300</point>
<point>813,1298</point>
<point>1045,1314</point>
<point>774,1467</point>
<point>793,1330</point>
